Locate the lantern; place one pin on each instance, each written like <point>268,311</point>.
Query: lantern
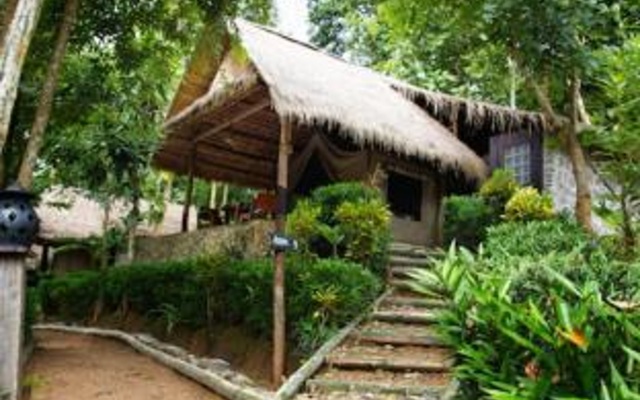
<point>19,223</point>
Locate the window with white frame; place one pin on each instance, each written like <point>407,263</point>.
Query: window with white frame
<point>518,159</point>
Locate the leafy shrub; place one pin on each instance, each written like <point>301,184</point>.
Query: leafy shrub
<point>565,339</point>
<point>467,219</point>
<point>527,204</point>
<point>302,223</point>
<point>347,220</point>
<point>366,228</point>
<point>325,295</point>
<point>330,197</point>
<point>71,296</point>
<point>322,294</point>
<point>31,311</point>
<point>499,188</point>
<point>535,238</point>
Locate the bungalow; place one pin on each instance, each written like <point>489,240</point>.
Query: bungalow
<point>343,122</point>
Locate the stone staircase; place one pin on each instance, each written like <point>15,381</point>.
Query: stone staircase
<point>394,353</point>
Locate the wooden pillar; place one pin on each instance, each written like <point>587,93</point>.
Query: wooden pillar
<point>279,314</point>
<point>189,195</point>
<point>12,283</point>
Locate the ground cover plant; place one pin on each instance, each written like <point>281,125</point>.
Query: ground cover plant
<point>541,311</point>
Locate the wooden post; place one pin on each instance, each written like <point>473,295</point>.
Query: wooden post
<point>189,195</point>
<point>279,314</point>
<point>12,283</point>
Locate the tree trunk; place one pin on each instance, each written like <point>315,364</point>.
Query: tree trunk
<point>7,14</point>
<point>568,131</point>
<point>578,160</point>
<point>43,112</point>
<point>134,217</point>
<point>15,44</point>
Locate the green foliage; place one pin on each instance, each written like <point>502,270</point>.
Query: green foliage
<point>326,295</point>
<point>616,143</point>
<point>322,295</point>
<point>72,296</point>
<point>536,328</point>
<point>499,188</point>
<point>535,238</point>
<point>467,219</point>
<point>31,312</point>
<point>302,223</point>
<point>330,197</point>
<point>365,225</point>
<point>527,204</point>
<point>348,220</point>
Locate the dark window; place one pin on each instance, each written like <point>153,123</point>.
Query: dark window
<point>405,196</point>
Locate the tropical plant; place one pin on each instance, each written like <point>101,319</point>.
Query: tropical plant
<point>523,329</point>
<point>527,204</point>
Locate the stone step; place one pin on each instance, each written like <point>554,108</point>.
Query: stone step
<point>401,284</point>
<point>398,261</point>
<point>403,272</point>
<point>416,301</point>
<point>404,316</point>
<point>391,358</point>
<point>425,385</point>
<point>391,338</point>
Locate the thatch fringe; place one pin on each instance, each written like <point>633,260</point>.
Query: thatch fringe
<point>476,116</point>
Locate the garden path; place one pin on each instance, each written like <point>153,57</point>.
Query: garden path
<point>82,367</point>
<point>394,353</point>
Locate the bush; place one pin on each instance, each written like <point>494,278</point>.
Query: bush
<point>71,296</point>
<point>321,294</point>
<point>467,219</point>
<point>499,188</point>
<point>527,204</point>
<point>365,225</point>
<point>330,197</point>
<point>347,220</point>
<point>325,295</point>
<point>565,338</point>
<point>535,238</point>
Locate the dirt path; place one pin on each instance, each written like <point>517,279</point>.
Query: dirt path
<point>77,367</point>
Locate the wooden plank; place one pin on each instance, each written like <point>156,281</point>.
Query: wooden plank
<point>221,170</point>
<point>218,173</point>
<point>265,169</point>
<point>235,119</point>
<point>279,312</point>
<point>12,284</point>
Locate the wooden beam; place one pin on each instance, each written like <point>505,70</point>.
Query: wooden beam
<point>279,313</point>
<point>189,194</point>
<point>235,119</point>
<point>217,172</point>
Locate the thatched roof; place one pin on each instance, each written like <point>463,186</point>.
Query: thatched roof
<point>472,116</point>
<point>68,214</point>
<point>287,78</point>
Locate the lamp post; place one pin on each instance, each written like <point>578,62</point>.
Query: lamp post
<point>18,228</point>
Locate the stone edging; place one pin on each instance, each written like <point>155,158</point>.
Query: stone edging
<point>212,374</point>
<point>293,384</point>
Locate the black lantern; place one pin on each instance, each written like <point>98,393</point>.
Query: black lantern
<point>19,223</point>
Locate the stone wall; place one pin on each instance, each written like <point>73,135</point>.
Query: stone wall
<point>250,240</point>
<point>560,183</point>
